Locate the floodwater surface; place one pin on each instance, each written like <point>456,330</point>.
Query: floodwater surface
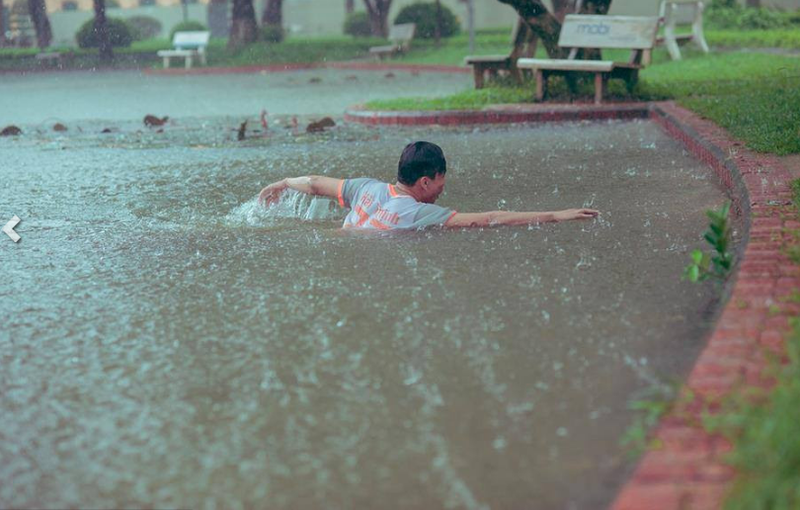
<point>169,343</point>
<point>45,98</point>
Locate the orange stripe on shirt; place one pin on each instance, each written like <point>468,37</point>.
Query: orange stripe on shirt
<point>377,224</point>
<point>339,193</point>
<point>393,191</point>
<point>362,216</point>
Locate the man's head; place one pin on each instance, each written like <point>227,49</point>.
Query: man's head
<point>422,167</point>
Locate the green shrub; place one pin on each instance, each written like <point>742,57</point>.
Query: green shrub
<point>144,27</point>
<point>272,33</point>
<point>423,14</point>
<point>187,26</point>
<point>357,25</point>
<point>736,17</point>
<point>119,34</point>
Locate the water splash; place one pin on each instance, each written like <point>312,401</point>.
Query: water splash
<point>292,205</point>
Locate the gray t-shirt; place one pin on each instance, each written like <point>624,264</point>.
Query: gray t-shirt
<point>377,205</point>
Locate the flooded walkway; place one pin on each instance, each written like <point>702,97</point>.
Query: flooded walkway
<point>173,345</point>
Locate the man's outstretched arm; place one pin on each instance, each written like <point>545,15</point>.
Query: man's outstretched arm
<point>496,218</point>
<point>309,184</point>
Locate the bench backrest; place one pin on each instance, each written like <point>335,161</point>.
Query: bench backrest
<point>190,40</point>
<point>403,33</point>
<point>621,32</point>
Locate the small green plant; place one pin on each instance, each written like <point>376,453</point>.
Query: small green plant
<point>718,235</point>
<point>357,25</point>
<point>650,404</point>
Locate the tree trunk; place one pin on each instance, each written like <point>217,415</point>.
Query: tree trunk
<point>273,13</point>
<point>378,11</point>
<point>438,31</point>
<point>101,31</point>
<point>38,12</point>
<point>547,26</point>
<point>244,29</point>
<point>349,6</point>
<point>2,25</point>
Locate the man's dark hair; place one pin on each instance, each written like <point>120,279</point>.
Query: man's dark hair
<point>420,159</point>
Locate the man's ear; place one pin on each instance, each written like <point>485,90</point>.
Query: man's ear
<point>425,180</point>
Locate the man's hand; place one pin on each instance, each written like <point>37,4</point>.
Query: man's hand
<point>575,214</point>
<point>272,193</point>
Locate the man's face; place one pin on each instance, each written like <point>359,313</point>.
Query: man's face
<point>433,188</point>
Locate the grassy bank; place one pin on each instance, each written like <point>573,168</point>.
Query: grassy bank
<point>756,96</point>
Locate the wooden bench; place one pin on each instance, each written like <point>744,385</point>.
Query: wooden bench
<point>187,45</point>
<point>523,45</point>
<point>400,37</point>
<point>682,13</point>
<point>598,32</point>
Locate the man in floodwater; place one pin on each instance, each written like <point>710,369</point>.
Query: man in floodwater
<point>408,204</point>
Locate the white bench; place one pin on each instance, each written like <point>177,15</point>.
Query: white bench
<point>682,13</point>
<point>578,32</point>
<point>400,36</point>
<point>523,45</point>
<point>187,45</point>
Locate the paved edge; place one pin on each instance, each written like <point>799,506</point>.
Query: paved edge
<point>276,68</point>
<point>686,471</point>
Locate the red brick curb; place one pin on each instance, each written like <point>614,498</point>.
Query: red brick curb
<point>355,66</point>
<point>687,471</point>
<point>499,114</point>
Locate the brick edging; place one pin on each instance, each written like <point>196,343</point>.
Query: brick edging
<point>686,471</point>
<point>507,114</point>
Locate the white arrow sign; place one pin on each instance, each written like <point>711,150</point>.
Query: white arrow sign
<point>9,229</point>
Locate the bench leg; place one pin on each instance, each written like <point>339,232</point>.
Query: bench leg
<point>541,85</point>
<point>477,71</point>
<point>166,62</point>
<point>599,82</point>
<point>699,38</point>
<point>631,80</point>
<point>203,59</point>
<point>516,74</point>
<point>189,62</point>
